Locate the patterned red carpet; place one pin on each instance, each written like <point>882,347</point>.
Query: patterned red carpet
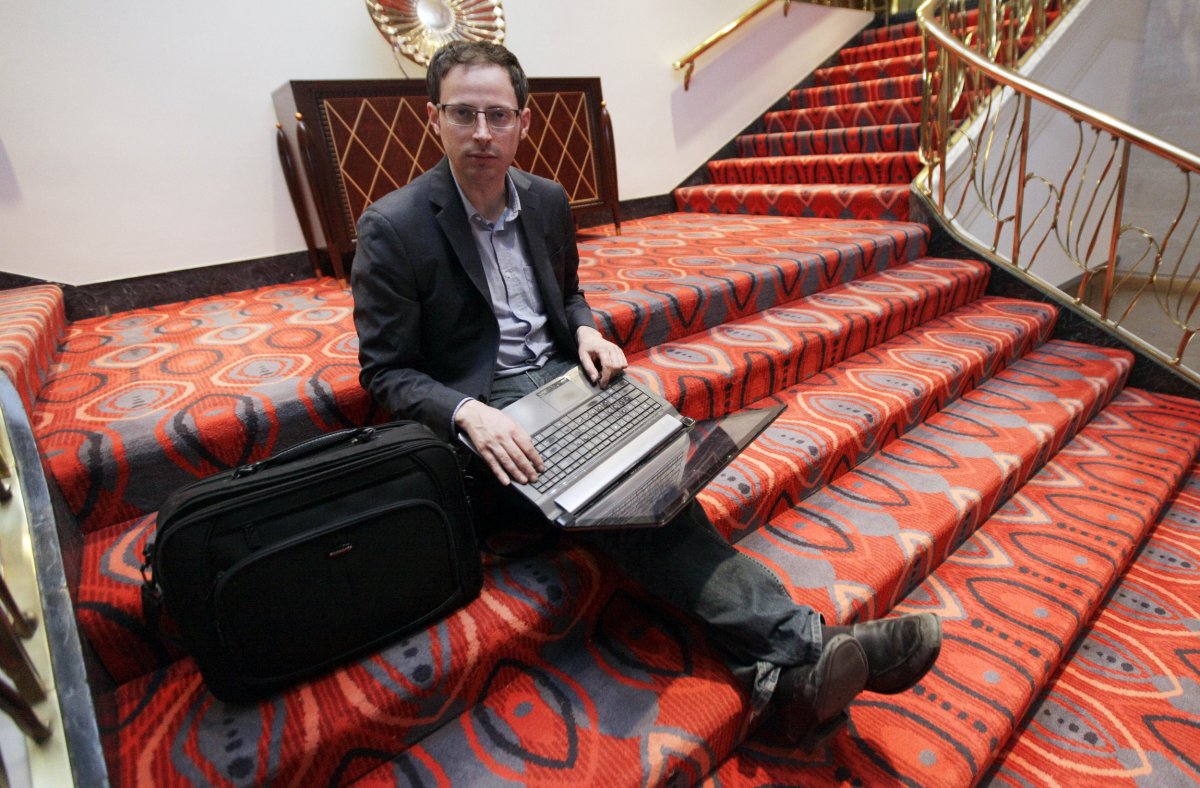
<point>939,451</point>
<point>1125,706</point>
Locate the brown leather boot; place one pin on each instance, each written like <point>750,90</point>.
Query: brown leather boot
<point>900,650</point>
<point>811,700</point>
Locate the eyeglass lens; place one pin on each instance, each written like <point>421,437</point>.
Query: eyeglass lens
<point>496,117</point>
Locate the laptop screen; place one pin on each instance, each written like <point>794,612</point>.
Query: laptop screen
<point>660,487</point>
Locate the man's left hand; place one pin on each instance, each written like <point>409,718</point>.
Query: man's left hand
<point>601,360</point>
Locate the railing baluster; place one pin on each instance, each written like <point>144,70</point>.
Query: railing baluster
<point>1021,173</point>
<point>1076,210</point>
<point>1111,267</point>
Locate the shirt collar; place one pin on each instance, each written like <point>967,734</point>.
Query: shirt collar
<point>512,209</point>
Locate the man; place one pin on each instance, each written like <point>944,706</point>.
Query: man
<point>467,297</point>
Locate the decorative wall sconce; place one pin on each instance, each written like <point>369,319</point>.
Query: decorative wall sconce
<point>417,28</point>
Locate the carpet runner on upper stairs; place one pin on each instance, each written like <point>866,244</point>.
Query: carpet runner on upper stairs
<point>1125,703</point>
<point>1013,597</point>
<point>864,109</point>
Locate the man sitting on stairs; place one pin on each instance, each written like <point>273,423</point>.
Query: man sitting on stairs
<point>467,298</point>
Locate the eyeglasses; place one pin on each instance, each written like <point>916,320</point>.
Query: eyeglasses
<point>498,118</point>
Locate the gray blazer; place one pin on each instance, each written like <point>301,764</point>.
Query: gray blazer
<point>426,332</point>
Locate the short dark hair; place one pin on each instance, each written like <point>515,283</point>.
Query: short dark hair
<point>475,53</point>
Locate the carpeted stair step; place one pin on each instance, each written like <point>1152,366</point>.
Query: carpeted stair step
<point>639,705</point>
<point>875,35</point>
<point>882,50</point>
<point>826,201</point>
<point>841,416</point>
<point>146,401</point>
<point>732,365</point>
<point>857,92</point>
<point>669,276</point>
<point>32,322</point>
<point>870,113</point>
<point>859,168</point>
<point>853,139</point>
<point>1123,702</point>
<point>872,70</point>
<point>1013,598</point>
<point>164,728</point>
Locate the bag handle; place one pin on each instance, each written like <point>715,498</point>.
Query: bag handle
<point>312,446</point>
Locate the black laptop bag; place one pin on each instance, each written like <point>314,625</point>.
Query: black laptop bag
<point>284,568</point>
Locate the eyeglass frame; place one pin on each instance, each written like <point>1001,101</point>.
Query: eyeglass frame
<point>516,116</point>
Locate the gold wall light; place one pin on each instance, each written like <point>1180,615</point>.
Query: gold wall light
<point>417,28</point>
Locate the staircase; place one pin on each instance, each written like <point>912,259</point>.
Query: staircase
<point>846,148</point>
<point>940,451</point>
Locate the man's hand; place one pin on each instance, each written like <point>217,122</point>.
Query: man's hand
<point>501,442</point>
<point>601,360</point>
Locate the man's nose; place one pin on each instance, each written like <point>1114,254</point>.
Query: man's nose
<point>482,130</point>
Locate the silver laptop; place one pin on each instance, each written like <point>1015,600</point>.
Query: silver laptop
<point>621,456</point>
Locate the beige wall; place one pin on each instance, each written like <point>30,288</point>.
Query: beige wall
<point>137,138</point>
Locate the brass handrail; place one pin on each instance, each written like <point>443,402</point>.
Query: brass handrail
<point>1052,97</point>
<point>989,186</point>
<point>688,61</point>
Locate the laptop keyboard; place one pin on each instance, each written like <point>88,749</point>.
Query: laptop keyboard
<point>576,437</point>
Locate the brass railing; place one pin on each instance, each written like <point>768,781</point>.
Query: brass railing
<point>998,177</point>
<point>687,63</point>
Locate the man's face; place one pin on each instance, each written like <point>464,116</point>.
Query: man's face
<point>479,155</point>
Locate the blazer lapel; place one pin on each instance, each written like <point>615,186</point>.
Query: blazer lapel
<point>451,216</point>
<point>534,231</point>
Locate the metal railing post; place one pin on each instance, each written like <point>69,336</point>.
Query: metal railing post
<point>1110,271</point>
<point>1021,173</point>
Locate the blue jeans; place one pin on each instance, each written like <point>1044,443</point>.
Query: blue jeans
<point>690,565</point>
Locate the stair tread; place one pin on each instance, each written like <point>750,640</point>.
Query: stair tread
<point>857,92</point>
<point>859,168</point>
<point>867,113</point>
<point>378,703</point>
<point>834,201</point>
<point>844,139</point>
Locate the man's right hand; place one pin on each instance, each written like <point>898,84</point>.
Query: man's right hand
<point>502,443</point>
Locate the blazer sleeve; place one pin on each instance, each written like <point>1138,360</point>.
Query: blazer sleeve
<point>388,318</point>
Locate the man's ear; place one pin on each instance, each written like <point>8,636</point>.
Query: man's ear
<point>526,116</point>
<point>431,112</point>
